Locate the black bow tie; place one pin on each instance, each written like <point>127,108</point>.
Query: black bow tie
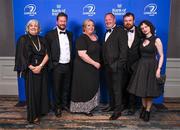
<point>130,31</point>
<point>109,30</point>
<point>62,32</point>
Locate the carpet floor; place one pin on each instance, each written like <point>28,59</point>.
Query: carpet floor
<point>166,117</point>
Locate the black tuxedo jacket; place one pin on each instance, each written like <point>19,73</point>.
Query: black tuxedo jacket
<point>54,47</point>
<point>134,52</point>
<point>115,49</point>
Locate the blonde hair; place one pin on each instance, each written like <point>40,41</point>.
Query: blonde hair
<point>85,23</point>
<point>31,21</point>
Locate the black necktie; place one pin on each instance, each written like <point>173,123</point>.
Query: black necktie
<point>62,32</point>
<point>131,31</point>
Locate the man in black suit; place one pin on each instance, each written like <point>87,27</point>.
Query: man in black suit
<point>60,46</point>
<point>129,100</point>
<point>114,57</point>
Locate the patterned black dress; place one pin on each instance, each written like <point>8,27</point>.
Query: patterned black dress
<point>143,82</point>
<point>85,83</point>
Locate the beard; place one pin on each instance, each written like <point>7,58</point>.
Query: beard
<point>129,26</point>
<point>62,27</point>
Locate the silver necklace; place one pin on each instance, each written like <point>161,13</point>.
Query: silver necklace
<point>39,44</point>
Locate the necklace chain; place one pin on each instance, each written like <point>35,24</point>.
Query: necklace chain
<point>35,44</point>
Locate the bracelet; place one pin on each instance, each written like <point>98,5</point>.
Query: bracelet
<point>41,65</point>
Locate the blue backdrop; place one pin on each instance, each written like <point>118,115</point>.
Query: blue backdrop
<point>157,11</point>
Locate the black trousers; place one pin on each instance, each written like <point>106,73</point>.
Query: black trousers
<point>129,100</point>
<point>61,85</point>
<point>114,83</point>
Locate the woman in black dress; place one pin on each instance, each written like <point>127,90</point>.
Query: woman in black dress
<point>31,60</point>
<point>85,85</point>
<point>144,81</point>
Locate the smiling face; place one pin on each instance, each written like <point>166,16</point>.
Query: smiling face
<point>62,22</point>
<point>145,29</point>
<point>88,27</point>
<point>110,21</point>
<point>33,28</point>
<point>128,22</point>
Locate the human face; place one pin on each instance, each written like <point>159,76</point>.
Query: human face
<point>128,22</point>
<point>109,21</point>
<point>33,28</point>
<point>61,22</point>
<point>145,29</point>
<point>89,27</point>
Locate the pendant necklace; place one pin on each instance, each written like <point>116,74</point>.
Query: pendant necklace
<point>35,44</point>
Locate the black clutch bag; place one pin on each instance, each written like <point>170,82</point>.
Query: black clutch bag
<point>161,80</point>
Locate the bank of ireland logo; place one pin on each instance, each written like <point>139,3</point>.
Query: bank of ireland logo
<point>30,10</point>
<point>150,9</point>
<point>119,10</point>
<point>89,10</point>
<point>57,10</point>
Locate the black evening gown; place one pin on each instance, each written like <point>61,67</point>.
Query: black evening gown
<point>143,82</point>
<point>36,84</point>
<point>85,84</point>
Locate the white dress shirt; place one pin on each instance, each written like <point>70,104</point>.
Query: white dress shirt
<point>64,47</point>
<point>131,37</point>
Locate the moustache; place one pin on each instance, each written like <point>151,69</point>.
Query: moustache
<point>128,24</point>
<point>62,27</point>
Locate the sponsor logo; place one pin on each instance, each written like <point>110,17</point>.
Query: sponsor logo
<point>89,10</point>
<point>119,10</point>
<point>57,10</point>
<point>150,9</point>
<point>30,10</point>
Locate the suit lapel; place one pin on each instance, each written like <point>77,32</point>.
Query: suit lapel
<point>58,42</point>
<point>111,35</point>
<point>57,38</point>
<point>135,36</point>
<point>70,40</point>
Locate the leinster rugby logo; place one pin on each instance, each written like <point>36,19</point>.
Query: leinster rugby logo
<point>150,9</point>
<point>89,10</point>
<point>30,10</point>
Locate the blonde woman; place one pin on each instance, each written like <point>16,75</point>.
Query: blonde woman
<point>85,83</point>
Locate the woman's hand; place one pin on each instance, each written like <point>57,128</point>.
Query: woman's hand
<point>159,47</point>
<point>85,57</point>
<point>97,65</point>
<point>158,73</point>
<point>37,69</point>
<point>31,67</point>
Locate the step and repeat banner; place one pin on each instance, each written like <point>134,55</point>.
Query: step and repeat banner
<point>45,11</point>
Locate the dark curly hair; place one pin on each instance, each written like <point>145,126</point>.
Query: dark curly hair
<point>148,23</point>
<point>129,14</point>
<point>61,14</point>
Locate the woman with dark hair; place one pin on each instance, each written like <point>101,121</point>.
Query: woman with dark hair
<point>31,59</point>
<point>144,81</point>
<point>85,85</point>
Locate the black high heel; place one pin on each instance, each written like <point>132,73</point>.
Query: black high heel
<point>142,113</point>
<point>88,114</point>
<point>146,116</point>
